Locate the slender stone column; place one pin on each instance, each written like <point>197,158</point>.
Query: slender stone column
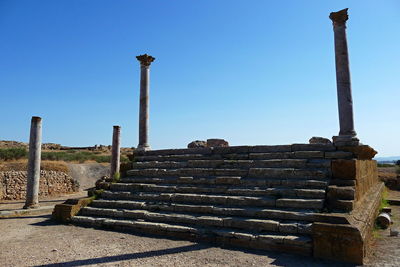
<point>35,149</point>
<point>116,148</point>
<point>145,61</point>
<point>345,101</point>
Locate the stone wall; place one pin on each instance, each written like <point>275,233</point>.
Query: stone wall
<point>52,183</point>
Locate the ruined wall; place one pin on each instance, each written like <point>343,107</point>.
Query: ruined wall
<point>52,183</point>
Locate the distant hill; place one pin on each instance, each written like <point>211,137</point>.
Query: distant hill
<point>387,159</point>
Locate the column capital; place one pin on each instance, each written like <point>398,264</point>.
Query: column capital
<point>145,60</point>
<point>339,17</point>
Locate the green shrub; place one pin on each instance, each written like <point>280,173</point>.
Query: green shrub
<point>398,170</point>
<point>124,158</point>
<point>117,177</point>
<point>101,159</point>
<point>385,165</point>
<point>81,156</point>
<point>13,153</point>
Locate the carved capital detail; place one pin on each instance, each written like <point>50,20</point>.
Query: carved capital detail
<point>339,17</point>
<point>145,60</point>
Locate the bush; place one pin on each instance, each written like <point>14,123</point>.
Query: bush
<point>13,153</point>
<point>101,159</point>
<point>385,165</point>
<point>75,156</point>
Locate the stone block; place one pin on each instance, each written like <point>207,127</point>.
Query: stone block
<point>340,205</point>
<point>344,169</point>
<point>341,192</point>
<point>269,149</point>
<point>313,147</point>
<point>214,142</point>
<point>363,152</point>
<point>64,212</point>
<point>227,180</point>
<point>304,228</point>
<point>300,203</point>
<point>338,242</point>
<point>210,221</point>
<point>308,154</point>
<point>288,228</point>
<point>277,155</point>
<point>338,155</point>
<point>197,144</point>
<point>319,140</point>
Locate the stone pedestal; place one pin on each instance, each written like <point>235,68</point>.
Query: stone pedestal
<point>347,134</point>
<point>145,61</point>
<point>35,149</point>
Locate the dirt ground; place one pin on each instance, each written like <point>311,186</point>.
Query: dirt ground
<point>88,173</point>
<point>35,240</point>
<point>385,250</point>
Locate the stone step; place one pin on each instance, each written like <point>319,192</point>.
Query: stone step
<point>317,174</point>
<point>244,223</point>
<point>242,149</point>
<point>243,164</point>
<point>217,199</point>
<point>301,244</point>
<point>307,215</point>
<point>220,189</point>
<point>300,152</point>
<point>293,183</point>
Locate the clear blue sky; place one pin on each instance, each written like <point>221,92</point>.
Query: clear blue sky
<point>251,72</point>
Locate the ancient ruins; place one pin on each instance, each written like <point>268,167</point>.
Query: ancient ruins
<point>318,199</point>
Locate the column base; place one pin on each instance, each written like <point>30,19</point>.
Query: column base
<point>345,140</point>
<point>143,148</point>
<point>31,206</point>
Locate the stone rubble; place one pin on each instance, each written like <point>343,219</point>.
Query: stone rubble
<point>51,183</point>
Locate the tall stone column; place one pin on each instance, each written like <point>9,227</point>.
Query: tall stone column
<point>347,134</point>
<point>145,61</point>
<point>116,151</point>
<point>35,149</point>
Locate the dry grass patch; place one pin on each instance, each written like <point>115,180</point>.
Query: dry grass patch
<point>22,165</point>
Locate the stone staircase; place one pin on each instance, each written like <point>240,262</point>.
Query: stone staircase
<point>263,197</point>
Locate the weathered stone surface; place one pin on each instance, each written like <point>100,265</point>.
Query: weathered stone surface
<point>227,180</point>
<point>319,140</point>
<point>313,147</point>
<point>338,155</point>
<point>236,151</point>
<point>344,169</point>
<point>338,242</point>
<point>64,212</point>
<point>341,192</point>
<point>270,149</point>
<point>215,198</point>
<point>197,144</point>
<point>290,228</point>
<point>214,142</point>
<point>300,203</point>
<point>363,152</point>
<point>308,154</point>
